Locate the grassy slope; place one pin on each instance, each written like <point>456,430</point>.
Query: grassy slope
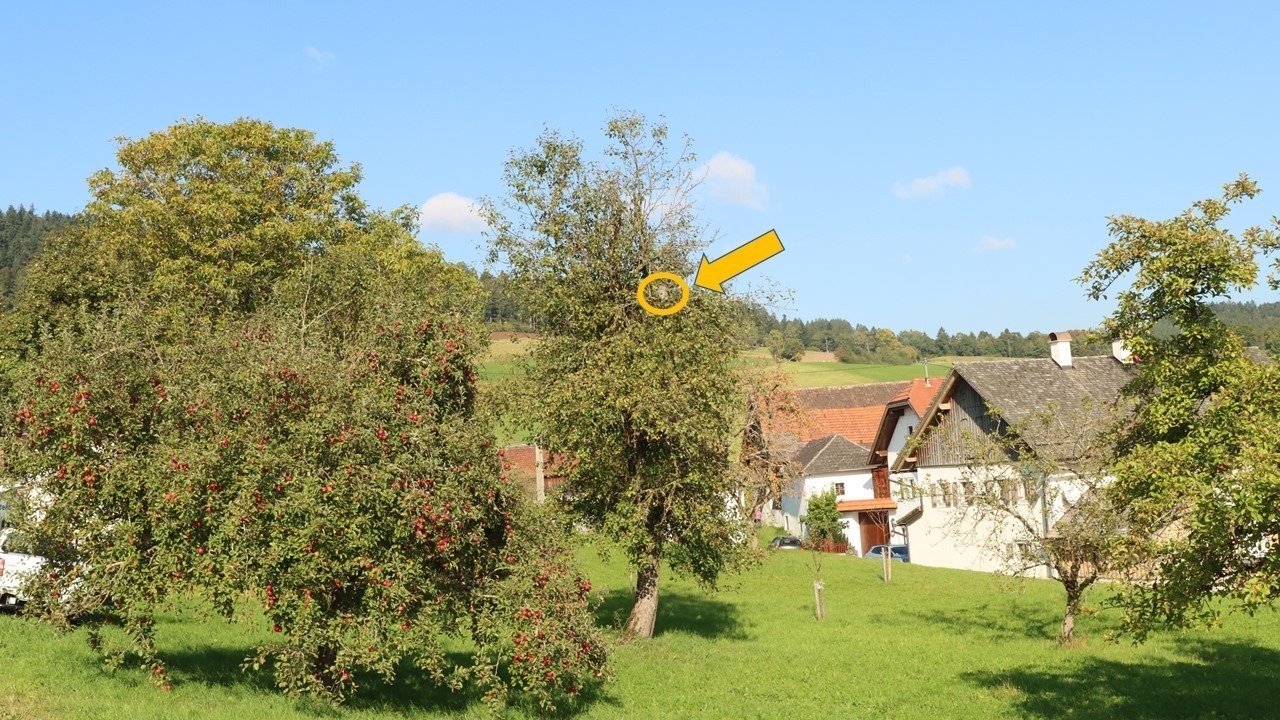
<point>498,365</point>
<point>933,644</point>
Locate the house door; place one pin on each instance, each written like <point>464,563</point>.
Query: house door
<point>875,529</point>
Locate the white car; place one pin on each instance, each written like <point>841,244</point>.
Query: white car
<point>15,564</point>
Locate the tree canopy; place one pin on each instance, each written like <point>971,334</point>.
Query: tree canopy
<point>1199,463</point>
<point>240,383</point>
<point>22,234</point>
<point>645,407</point>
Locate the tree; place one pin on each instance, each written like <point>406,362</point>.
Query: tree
<point>821,526</point>
<point>644,406</point>
<point>296,430</point>
<point>770,438</point>
<point>1033,492</point>
<point>1199,462</point>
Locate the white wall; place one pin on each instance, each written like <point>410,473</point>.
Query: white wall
<point>946,537</point>
<point>898,439</point>
<point>795,501</point>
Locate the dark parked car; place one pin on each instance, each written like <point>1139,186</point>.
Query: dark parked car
<point>785,542</point>
<point>899,553</point>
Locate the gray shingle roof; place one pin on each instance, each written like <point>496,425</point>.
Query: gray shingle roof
<point>849,396</point>
<point>832,454</point>
<point>1019,388</point>
<point>1258,355</point>
<point>1082,394</point>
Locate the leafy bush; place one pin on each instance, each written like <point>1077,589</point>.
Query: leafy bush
<point>822,523</point>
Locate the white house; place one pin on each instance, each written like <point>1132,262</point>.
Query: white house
<point>836,433</point>
<point>836,462</point>
<point>933,484</point>
<point>900,419</point>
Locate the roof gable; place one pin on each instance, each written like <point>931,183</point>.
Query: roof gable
<point>917,396</point>
<point>1020,388</point>
<point>832,454</point>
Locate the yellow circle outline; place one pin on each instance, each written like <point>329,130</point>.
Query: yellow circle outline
<point>684,293</point>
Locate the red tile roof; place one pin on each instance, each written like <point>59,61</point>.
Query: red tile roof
<point>852,411</point>
<point>872,504</point>
<point>858,424</point>
<point>920,395</point>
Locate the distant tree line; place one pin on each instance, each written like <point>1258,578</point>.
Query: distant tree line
<point>788,339</point>
<point>22,232</point>
<point>504,309</point>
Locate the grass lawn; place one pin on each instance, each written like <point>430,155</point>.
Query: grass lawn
<point>932,644</point>
<point>498,364</point>
<point>827,374</point>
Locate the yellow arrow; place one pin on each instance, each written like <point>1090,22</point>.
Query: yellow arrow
<point>713,275</point>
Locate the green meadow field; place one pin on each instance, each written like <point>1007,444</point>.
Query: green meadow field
<point>499,364</point>
<point>933,643</point>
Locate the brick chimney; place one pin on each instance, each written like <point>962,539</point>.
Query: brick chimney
<point>1060,348</point>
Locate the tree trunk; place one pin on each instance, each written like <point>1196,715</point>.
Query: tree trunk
<point>644,614</point>
<point>1069,616</point>
<point>755,527</point>
<point>322,667</point>
<point>819,600</point>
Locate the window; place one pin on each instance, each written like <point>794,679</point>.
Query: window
<point>839,488</point>
<point>1009,492</point>
<point>910,428</point>
<point>1031,490</point>
<point>948,494</point>
<point>935,495</point>
<point>968,491</point>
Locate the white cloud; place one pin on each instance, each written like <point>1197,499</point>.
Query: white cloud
<point>450,212</point>
<point>320,57</point>
<point>992,243</point>
<point>733,180</point>
<point>933,185</point>
<point>908,258</point>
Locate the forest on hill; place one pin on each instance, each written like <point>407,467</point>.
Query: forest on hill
<point>23,229</point>
<point>22,232</point>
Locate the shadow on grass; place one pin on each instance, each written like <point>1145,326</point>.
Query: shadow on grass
<point>678,612</point>
<point>991,623</point>
<point>414,692</point>
<point>1208,679</point>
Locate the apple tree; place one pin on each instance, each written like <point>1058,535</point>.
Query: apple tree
<point>645,406</point>
<point>1198,466</point>
<point>263,395</point>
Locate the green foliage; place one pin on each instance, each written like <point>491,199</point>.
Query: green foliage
<point>295,428</point>
<point>503,309</point>
<point>822,522</point>
<point>644,406</point>
<point>785,348</point>
<point>1198,463</point>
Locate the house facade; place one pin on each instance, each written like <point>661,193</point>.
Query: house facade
<point>841,425</point>
<point>935,484</point>
<point>862,497</point>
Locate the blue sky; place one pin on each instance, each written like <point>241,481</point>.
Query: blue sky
<point>925,164</point>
